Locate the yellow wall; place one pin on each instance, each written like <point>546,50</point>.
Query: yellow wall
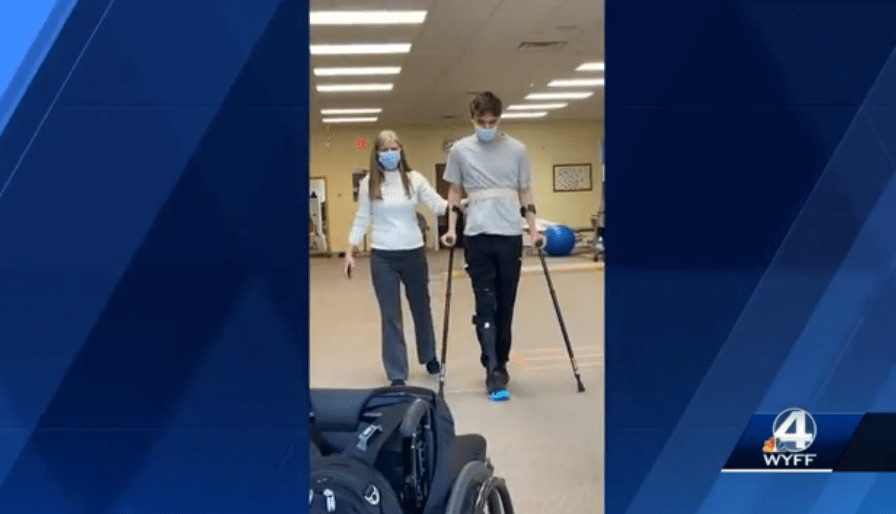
<point>335,155</point>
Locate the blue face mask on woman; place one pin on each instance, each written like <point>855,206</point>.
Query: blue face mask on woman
<point>390,159</point>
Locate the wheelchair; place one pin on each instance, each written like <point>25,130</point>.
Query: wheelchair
<point>430,468</point>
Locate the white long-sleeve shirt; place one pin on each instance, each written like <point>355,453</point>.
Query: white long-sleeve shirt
<point>393,219</point>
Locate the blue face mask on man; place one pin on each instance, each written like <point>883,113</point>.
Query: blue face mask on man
<point>390,159</point>
<point>486,134</point>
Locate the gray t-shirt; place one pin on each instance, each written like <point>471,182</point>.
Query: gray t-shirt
<point>492,174</point>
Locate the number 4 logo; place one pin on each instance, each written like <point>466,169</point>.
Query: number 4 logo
<point>794,429</point>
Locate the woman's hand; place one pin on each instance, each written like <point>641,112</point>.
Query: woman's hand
<point>349,264</point>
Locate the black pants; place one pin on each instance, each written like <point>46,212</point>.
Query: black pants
<point>389,269</point>
<point>493,263</point>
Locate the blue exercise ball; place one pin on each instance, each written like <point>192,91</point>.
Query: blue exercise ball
<point>559,240</point>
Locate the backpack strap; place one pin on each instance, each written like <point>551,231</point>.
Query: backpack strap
<point>369,440</point>
<point>318,444</point>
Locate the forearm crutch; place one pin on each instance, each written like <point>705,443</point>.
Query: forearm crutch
<point>547,276</point>
<point>445,324</point>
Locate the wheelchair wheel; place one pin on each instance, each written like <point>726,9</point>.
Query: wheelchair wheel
<point>494,498</point>
<point>477,491</point>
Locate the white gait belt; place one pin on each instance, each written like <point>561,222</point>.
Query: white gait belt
<point>498,192</point>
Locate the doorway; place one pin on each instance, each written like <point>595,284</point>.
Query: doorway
<point>318,230</point>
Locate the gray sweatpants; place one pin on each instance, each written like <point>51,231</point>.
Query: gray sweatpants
<point>389,269</point>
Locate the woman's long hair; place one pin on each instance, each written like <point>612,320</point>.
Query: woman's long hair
<point>376,170</point>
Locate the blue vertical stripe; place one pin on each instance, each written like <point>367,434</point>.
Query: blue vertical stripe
<point>27,32</point>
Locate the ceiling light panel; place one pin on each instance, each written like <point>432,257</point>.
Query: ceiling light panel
<point>357,70</point>
<point>345,88</point>
<point>591,66</point>
<point>576,82</point>
<point>361,48</point>
<point>524,114</point>
<point>536,107</point>
<point>358,119</point>
<point>577,95</point>
<point>364,110</point>
<point>367,17</point>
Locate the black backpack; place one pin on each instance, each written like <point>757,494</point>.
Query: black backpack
<point>348,482</point>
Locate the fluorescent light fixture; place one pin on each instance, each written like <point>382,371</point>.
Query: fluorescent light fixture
<point>366,17</point>
<point>526,107</point>
<point>359,119</point>
<point>578,95</point>
<point>511,115</point>
<point>576,82</point>
<point>591,66</point>
<point>344,88</point>
<point>360,70</point>
<point>363,110</point>
<point>361,48</point>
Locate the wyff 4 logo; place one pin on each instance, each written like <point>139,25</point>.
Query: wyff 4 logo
<point>793,432</point>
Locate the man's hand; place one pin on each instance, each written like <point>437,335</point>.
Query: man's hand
<point>449,238</point>
<point>537,238</point>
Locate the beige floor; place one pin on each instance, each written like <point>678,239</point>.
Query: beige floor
<point>548,440</point>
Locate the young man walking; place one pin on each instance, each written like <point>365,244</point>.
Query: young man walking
<point>493,168</point>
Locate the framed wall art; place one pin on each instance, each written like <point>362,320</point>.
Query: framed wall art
<point>572,177</point>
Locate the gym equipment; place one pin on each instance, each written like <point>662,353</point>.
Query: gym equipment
<point>560,240</point>
<point>317,223</point>
<point>572,358</point>
<point>599,221</point>
<point>600,252</point>
<point>407,433</point>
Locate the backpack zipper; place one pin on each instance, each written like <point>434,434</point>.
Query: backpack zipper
<point>371,494</point>
<point>331,500</point>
